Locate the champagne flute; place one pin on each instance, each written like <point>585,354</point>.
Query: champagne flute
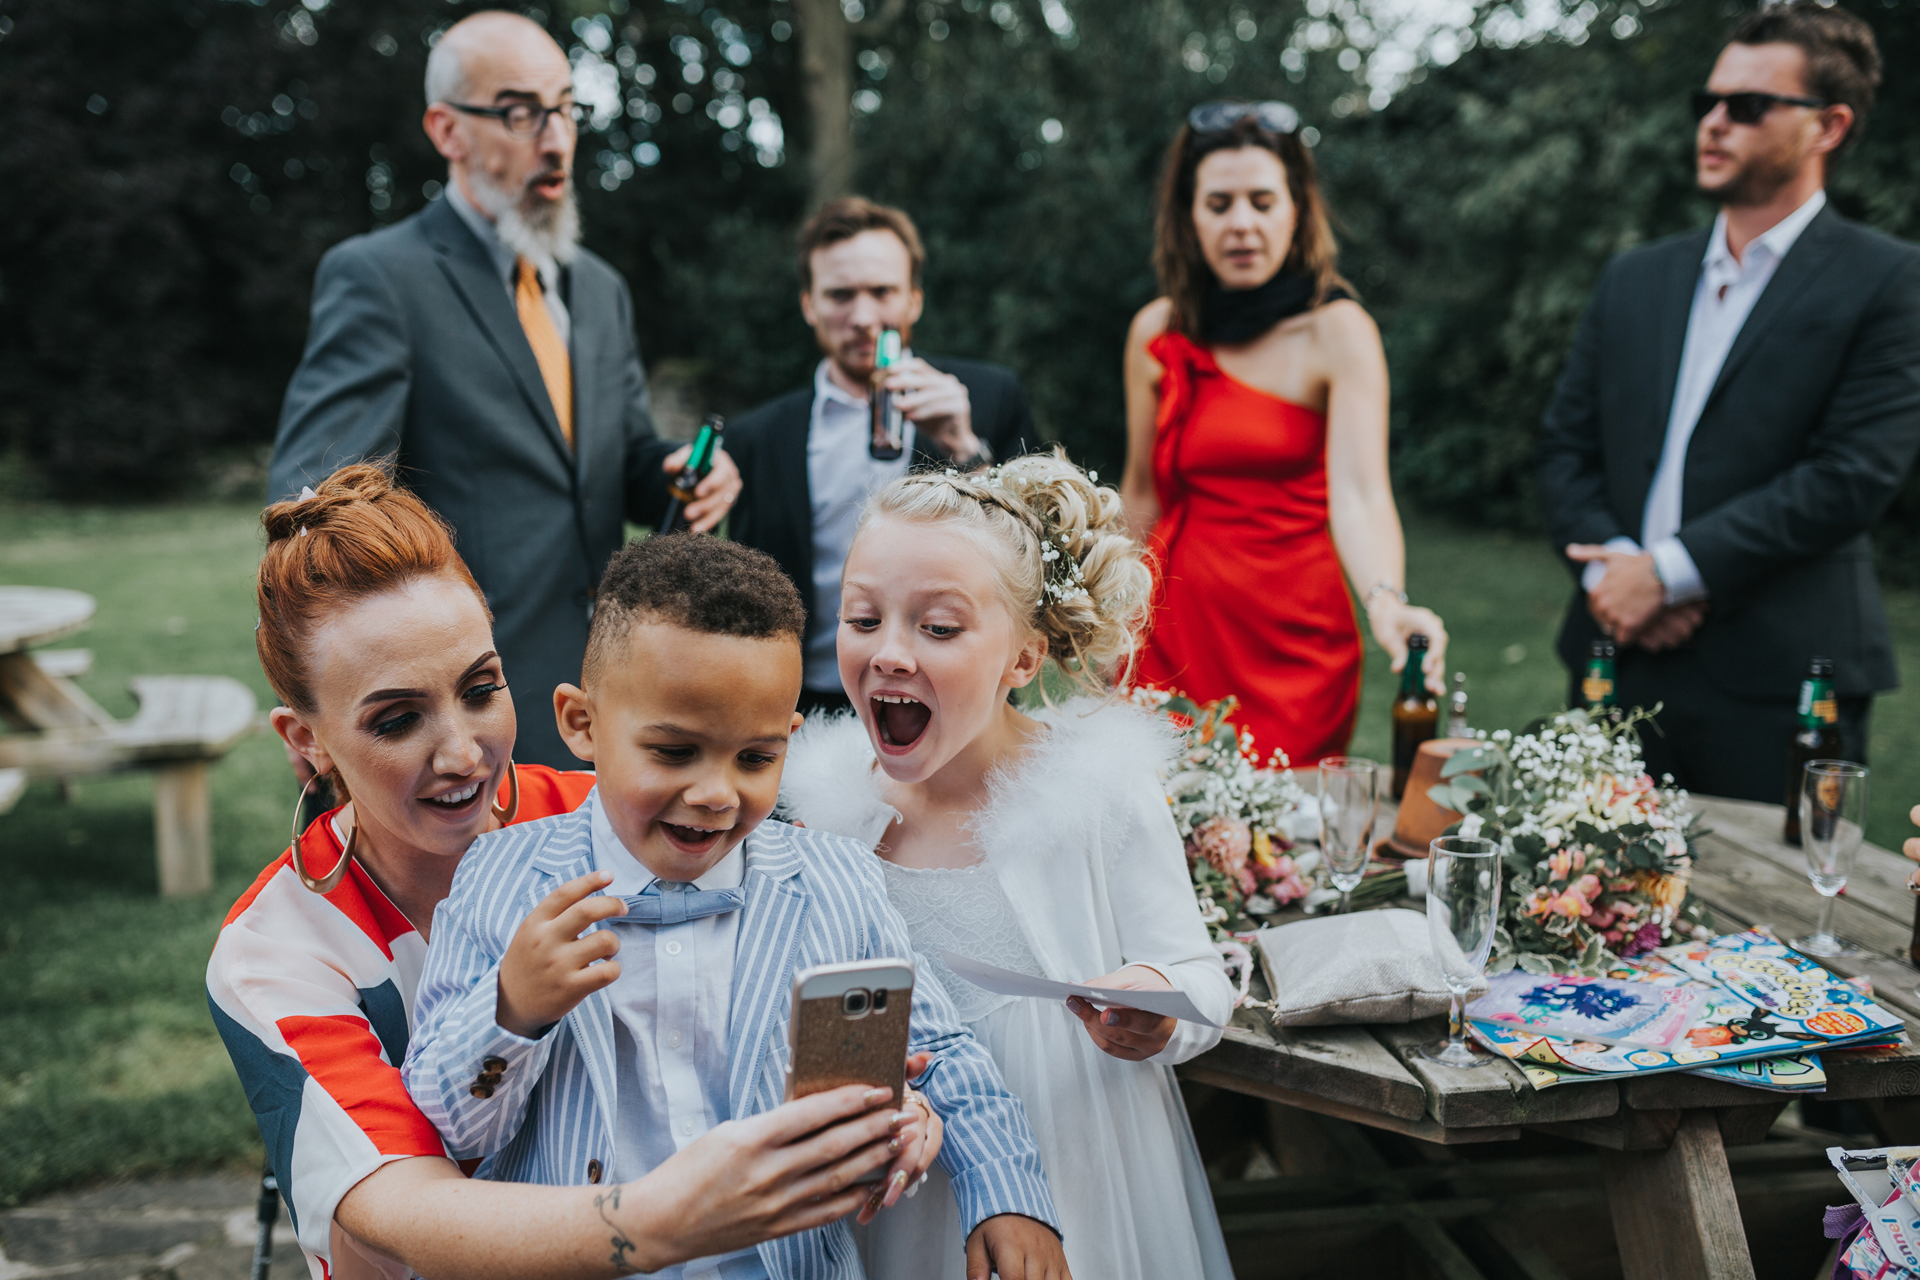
<point>1833,814</point>
<point>1349,806</point>
<point>1463,905</point>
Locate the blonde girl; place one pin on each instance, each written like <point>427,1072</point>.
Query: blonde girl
<point>1036,841</point>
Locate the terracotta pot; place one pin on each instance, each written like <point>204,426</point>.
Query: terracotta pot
<point>1422,820</point>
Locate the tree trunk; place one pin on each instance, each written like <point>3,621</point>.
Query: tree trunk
<point>826,86</point>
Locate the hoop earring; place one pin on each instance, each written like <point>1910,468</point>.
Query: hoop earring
<point>325,884</point>
<point>506,815</point>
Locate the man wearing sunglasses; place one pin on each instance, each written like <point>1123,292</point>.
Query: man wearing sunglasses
<point>478,342</point>
<point>1741,404</point>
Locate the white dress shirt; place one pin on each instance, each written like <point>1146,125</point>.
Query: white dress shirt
<point>670,1008</point>
<point>1723,298</point>
<point>841,476</point>
<point>504,259</point>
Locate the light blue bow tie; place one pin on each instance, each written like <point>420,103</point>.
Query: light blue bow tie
<point>683,904</point>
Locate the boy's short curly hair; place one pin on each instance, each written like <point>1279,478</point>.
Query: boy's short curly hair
<point>695,581</point>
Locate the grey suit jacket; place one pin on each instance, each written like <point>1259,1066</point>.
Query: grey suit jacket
<point>1806,438</point>
<point>416,352</point>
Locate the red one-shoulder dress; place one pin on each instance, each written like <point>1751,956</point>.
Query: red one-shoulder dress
<point>1249,598</point>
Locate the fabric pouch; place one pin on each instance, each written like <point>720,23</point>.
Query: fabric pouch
<point>1368,966</point>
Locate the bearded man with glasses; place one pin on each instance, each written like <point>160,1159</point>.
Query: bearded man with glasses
<point>1741,404</point>
<point>478,342</point>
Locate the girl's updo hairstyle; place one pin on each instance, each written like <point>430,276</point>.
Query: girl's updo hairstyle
<point>355,536</point>
<point>1067,564</point>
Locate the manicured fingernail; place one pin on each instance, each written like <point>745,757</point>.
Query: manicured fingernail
<point>897,1119</point>
<point>874,1095</point>
<point>893,1148</point>
<point>1110,1017</point>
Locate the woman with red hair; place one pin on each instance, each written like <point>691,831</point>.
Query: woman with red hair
<point>380,646</point>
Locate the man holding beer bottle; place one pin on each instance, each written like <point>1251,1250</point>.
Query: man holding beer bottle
<point>875,410</point>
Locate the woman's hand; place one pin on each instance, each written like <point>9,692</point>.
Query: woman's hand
<point>549,968</point>
<point>1392,622</point>
<point>917,1135</point>
<point>1132,1035</point>
<point>1015,1247</point>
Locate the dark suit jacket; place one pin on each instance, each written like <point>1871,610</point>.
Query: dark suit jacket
<point>769,445</point>
<point>1805,439</point>
<point>416,350</point>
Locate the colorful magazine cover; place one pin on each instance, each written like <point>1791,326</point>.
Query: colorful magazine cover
<point>1643,1014</point>
<point>1758,1000</point>
<point>1798,1073</point>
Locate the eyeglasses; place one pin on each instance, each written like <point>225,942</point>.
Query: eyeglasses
<point>526,117</point>
<point>1747,108</point>
<point>1218,117</point>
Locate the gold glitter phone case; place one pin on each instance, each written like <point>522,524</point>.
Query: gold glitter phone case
<point>849,1026</point>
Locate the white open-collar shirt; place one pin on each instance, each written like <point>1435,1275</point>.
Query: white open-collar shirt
<point>1723,298</point>
<point>841,476</point>
<point>670,1008</point>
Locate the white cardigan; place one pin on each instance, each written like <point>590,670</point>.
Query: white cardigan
<point>1079,834</point>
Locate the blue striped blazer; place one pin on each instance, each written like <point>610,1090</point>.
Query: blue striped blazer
<point>812,898</point>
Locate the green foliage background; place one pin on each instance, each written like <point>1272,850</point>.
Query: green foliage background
<point>174,170</point>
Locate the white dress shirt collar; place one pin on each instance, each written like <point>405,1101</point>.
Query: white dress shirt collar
<point>1775,241</point>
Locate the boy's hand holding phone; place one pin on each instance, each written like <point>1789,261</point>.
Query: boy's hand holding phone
<point>1015,1247</point>
<point>549,968</point>
<point>1132,1035</point>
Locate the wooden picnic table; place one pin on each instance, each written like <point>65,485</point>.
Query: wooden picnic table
<point>1662,1138</point>
<point>185,723</point>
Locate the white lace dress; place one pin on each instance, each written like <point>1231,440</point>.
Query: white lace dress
<point>1120,1157</point>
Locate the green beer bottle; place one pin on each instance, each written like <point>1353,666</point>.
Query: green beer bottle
<point>1815,737</point>
<point>699,463</point>
<point>885,443</point>
<point>1596,687</point>
<point>1416,713</point>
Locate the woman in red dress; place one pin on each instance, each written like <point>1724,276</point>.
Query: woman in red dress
<point>1257,444</point>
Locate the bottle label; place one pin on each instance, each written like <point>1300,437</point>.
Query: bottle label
<point>1818,706</point>
<point>1598,687</point>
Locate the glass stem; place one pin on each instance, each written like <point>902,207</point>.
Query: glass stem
<point>1346,901</point>
<point>1457,1024</point>
<point>1826,916</point>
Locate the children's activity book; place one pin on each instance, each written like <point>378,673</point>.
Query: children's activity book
<point>1753,999</point>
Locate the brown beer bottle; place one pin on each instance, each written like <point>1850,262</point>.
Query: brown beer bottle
<point>1416,713</point>
<point>1815,737</point>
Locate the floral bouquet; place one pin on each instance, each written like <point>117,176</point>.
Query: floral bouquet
<point>1233,814</point>
<point>1598,854</point>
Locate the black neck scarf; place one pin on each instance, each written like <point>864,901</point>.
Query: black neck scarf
<point>1229,316</point>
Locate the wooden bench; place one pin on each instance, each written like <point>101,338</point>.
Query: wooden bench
<point>184,724</point>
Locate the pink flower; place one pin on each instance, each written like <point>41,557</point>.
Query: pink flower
<point>1560,865</point>
<point>1587,886</point>
<point>1571,905</point>
<point>1599,918</point>
<point>1225,843</point>
<point>1579,859</point>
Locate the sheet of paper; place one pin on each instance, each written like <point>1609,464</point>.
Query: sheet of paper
<point>1168,1004</point>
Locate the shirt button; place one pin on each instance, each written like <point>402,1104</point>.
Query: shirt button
<point>672,948</point>
<point>686,1128</point>
<point>674,1040</point>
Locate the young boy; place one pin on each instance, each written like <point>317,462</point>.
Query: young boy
<point>537,1049</point>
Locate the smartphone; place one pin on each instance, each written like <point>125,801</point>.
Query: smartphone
<point>849,1026</point>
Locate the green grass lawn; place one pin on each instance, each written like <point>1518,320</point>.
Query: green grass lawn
<point>109,1064</point>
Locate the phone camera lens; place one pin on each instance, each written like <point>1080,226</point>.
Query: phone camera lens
<point>880,1001</point>
<point>854,1004</point>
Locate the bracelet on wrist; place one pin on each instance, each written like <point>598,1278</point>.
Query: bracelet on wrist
<point>1377,589</point>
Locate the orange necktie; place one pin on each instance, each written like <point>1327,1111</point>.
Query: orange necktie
<point>556,369</point>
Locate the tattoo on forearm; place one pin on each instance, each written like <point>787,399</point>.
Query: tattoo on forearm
<point>606,1204</point>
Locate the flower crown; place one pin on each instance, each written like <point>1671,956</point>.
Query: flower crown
<point>1065,582</point>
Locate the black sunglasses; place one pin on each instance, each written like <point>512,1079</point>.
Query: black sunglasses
<point>1747,108</point>
<point>525,117</point>
<point>1218,117</point>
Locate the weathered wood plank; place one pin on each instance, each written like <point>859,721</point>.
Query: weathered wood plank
<point>181,718</point>
<point>1496,1094</point>
<point>1879,879</point>
<point>1424,1128</point>
<point>64,664</point>
<point>32,701</point>
<point>1674,1212</point>
<point>1337,1063</point>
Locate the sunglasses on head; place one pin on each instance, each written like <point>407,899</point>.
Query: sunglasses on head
<point>1218,117</point>
<point>1747,108</point>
